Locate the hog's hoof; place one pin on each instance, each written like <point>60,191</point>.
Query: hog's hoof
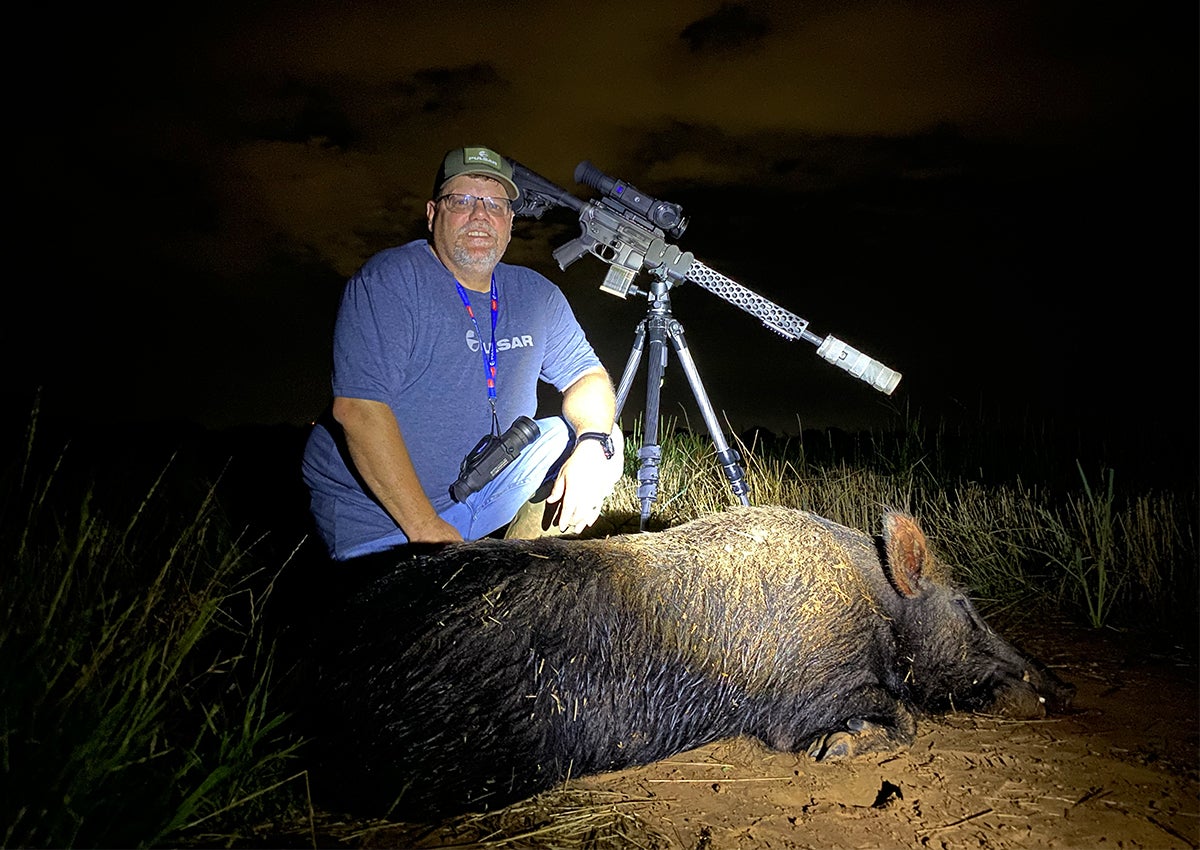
<point>861,736</point>
<point>832,747</point>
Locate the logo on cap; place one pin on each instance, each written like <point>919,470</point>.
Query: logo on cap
<point>481,155</point>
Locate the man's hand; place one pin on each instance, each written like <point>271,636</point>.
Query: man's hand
<point>435,530</point>
<point>584,482</point>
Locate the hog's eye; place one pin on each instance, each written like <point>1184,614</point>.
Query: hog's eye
<point>967,611</point>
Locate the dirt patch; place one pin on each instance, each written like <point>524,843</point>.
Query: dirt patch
<point>1121,771</point>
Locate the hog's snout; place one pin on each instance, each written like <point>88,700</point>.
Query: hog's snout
<point>1037,693</point>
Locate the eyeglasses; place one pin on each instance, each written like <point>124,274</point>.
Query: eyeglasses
<point>466,203</point>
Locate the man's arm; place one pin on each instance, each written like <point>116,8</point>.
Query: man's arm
<point>587,477</point>
<point>379,454</point>
<point>590,404</point>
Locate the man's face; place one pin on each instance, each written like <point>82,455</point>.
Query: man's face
<point>473,240</point>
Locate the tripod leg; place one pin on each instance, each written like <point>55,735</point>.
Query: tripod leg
<point>729,458</point>
<point>635,357</point>
<point>651,453</point>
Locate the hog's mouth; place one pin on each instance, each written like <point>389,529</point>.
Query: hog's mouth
<point>1034,695</point>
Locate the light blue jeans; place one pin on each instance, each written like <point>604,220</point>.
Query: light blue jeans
<point>498,501</point>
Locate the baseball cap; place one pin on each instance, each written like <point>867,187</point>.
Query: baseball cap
<point>480,161</point>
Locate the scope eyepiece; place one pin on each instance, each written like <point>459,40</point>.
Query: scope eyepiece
<point>664,215</point>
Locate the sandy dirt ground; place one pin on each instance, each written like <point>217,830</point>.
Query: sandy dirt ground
<point>1122,770</point>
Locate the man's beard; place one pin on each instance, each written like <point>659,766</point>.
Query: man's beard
<point>467,258</point>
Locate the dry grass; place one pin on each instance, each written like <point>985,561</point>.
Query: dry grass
<point>566,818</point>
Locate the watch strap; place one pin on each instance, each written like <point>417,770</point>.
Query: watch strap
<point>604,439</point>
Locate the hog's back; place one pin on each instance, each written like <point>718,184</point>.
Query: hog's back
<point>774,585</point>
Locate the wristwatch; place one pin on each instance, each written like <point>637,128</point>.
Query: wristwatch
<point>604,439</point>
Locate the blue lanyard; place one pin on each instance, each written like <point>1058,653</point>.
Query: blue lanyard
<point>487,353</point>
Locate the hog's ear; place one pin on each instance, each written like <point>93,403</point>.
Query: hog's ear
<point>906,550</point>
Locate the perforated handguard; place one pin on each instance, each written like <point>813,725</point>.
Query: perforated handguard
<point>791,326</point>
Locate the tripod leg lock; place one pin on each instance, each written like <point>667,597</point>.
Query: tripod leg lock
<point>731,464</point>
<point>649,457</point>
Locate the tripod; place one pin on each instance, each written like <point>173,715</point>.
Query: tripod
<point>659,326</point>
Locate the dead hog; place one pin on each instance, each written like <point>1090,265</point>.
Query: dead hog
<point>485,672</point>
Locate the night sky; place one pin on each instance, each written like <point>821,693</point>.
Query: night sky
<point>997,199</point>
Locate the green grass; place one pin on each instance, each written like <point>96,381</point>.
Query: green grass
<point>141,705</point>
<point>134,677</point>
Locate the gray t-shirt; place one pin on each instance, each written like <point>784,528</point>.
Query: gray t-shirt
<point>403,337</point>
